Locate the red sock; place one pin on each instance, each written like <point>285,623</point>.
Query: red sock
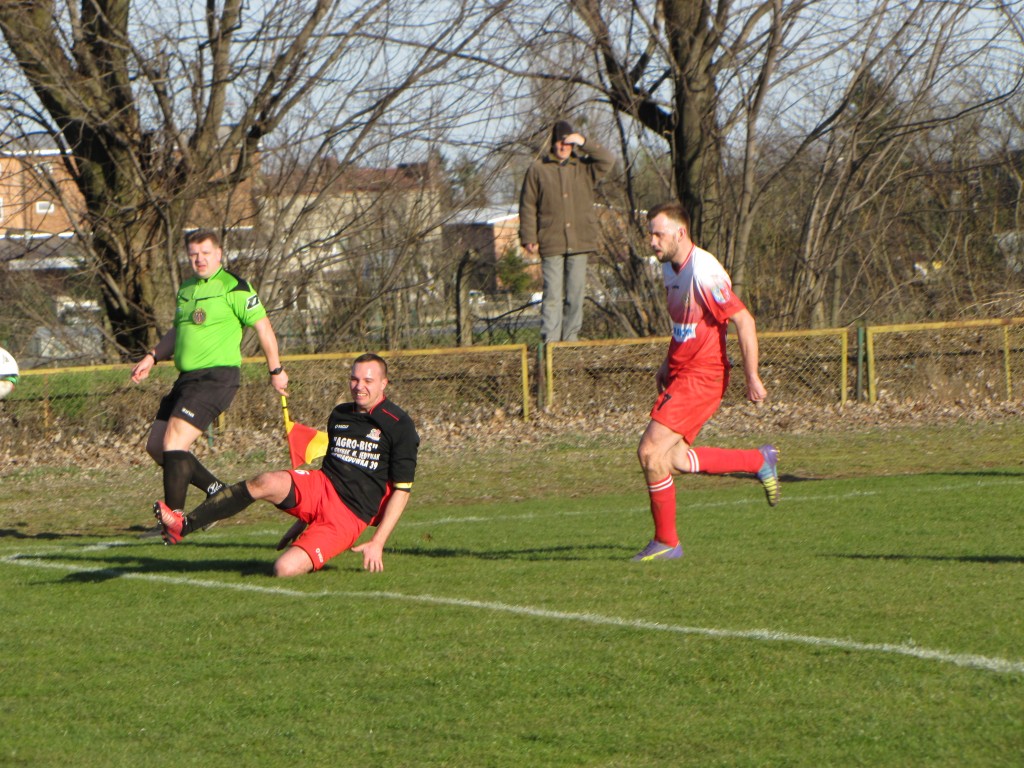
<point>722,461</point>
<point>663,510</point>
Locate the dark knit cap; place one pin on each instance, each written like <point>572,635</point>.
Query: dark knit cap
<point>560,130</point>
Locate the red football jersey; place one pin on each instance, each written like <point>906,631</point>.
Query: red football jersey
<point>700,303</point>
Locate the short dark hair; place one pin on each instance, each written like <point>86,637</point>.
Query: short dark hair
<point>674,210</point>
<point>201,236</point>
<point>369,357</point>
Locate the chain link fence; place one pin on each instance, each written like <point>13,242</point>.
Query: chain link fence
<point>76,409</point>
<point>457,385</point>
<point>796,367</point>
<point>89,416</point>
<point>980,360</point>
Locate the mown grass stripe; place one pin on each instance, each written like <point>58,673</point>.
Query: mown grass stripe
<point>973,661</point>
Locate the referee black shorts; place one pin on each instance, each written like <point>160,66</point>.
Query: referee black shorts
<point>200,396</point>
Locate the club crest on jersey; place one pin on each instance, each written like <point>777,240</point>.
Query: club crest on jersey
<point>684,331</point>
<point>720,293</point>
<point>199,316</point>
<point>252,302</point>
<point>373,434</point>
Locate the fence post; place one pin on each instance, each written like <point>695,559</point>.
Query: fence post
<point>869,365</point>
<point>861,357</point>
<point>1006,362</point>
<point>541,377</point>
<point>844,369</point>
<point>463,311</point>
<point>524,364</point>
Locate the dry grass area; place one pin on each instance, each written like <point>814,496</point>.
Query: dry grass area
<point>556,427</point>
<point>106,486</point>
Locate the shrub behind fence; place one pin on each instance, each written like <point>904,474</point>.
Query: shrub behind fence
<point>982,359</point>
<point>936,362</point>
<point>796,367</point>
<point>75,405</point>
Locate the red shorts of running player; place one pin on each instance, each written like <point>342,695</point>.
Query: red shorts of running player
<point>690,400</point>
<point>331,527</point>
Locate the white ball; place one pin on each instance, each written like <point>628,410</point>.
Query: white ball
<point>8,373</point>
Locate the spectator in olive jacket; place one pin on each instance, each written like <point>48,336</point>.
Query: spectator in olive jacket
<point>557,220</point>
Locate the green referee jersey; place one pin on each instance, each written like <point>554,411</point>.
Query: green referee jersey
<point>211,316</point>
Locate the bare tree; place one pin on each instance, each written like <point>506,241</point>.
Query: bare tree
<point>163,118</point>
<point>750,97</point>
<point>903,100</point>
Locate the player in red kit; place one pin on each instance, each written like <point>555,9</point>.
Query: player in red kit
<point>694,377</point>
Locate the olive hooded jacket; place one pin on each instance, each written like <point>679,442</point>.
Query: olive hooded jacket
<point>556,205</point>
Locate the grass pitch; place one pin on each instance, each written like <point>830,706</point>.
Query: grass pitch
<point>876,618</point>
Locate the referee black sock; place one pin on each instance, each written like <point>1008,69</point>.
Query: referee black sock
<point>202,478</point>
<point>228,501</point>
<point>177,476</point>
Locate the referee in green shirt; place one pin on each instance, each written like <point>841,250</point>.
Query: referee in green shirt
<point>214,308</point>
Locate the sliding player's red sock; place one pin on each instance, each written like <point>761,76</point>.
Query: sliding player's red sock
<point>722,461</point>
<point>663,510</point>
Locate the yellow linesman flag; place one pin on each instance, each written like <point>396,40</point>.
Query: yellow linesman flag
<point>305,444</point>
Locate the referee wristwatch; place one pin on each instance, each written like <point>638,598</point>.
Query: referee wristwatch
<point>279,369</point>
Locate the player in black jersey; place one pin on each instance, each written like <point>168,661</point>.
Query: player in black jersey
<point>365,480</point>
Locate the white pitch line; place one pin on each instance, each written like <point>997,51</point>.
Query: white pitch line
<point>972,661</point>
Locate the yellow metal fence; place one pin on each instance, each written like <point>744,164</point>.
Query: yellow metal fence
<point>971,360</point>
<point>80,405</point>
<point>796,366</point>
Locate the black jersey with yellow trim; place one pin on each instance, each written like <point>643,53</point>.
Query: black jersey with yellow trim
<point>367,452</point>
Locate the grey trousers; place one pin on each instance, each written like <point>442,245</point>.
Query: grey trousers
<point>565,283</point>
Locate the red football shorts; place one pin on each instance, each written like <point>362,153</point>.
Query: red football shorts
<point>331,527</point>
<point>690,400</point>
